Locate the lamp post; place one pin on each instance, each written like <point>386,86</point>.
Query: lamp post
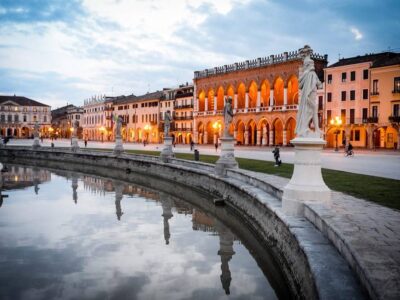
<point>337,122</point>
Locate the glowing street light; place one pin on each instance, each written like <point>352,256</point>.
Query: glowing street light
<point>337,122</point>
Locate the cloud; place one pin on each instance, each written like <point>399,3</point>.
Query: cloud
<point>357,34</point>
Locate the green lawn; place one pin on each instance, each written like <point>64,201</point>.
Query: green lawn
<point>376,189</point>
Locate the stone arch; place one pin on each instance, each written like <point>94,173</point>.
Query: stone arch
<point>290,127</point>
<point>202,102</point>
<point>240,129</point>
<point>264,128</point>
<point>200,133</point>
<point>292,90</point>
<point>220,98</point>
<point>265,93</point>
<point>277,128</point>
<point>278,91</point>
<point>210,97</point>
<point>241,95</point>
<point>253,91</point>
<point>251,131</point>
<point>209,134</point>
<point>230,92</point>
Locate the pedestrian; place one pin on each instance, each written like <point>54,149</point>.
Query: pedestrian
<point>85,143</point>
<point>191,145</point>
<point>216,147</point>
<point>277,157</point>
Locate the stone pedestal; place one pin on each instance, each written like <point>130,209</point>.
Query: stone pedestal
<point>118,149</point>
<point>74,144</point>
<point>166,152</point>
<point>306,183</point>
<point>36,143</point>
<point>227,158</point>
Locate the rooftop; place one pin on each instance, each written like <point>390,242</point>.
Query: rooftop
<point>371,57</point>
<point>23,101</point>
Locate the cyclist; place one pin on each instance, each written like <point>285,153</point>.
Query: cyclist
<point>349,150</point>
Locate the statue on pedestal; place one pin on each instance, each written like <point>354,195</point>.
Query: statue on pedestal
<point>308,107</point>
<point>228,116</point>
<point>167,122</point>
<point>36,129</point>
<point>118,128</point>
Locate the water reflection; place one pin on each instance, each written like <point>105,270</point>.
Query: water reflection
<point>100,258</point>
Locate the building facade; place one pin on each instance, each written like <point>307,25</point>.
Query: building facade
<point>265,93</point>
<point>183,114</point>
<point>18,116</point>
<point>94,119</point>
<point>360,92</point>
<point>63,118</point>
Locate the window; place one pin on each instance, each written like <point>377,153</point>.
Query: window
<point>343,115</point>
<point>353,95</point>
<point>9,118</point>
<point>320,99</point>
<point>365,115</point>
<point>329,78</point>
<point>44,119</point>
<point>396,88</point>
<point>343,95</point>
<point>374,111</point>
<point>34,118</point>
<point>329,95</point>
<point>352,113</point>
<point>352,75</point>
<point>375,87</point>
<point>16,118</point>
<point>3,118</point>
<point>365,74</point>
<point>344,76</point>
<point>396,109</point>
<point>365,94</point>
<point>328,115</point>
<point>356,135</point>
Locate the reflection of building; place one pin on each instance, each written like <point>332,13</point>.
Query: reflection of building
<point>265,97</point>
<point>22,177</point>
<point>362,92</point>
<point>183,117</point>
<point>202,222</point>
<point>19,114</point>
<point>226,252</point>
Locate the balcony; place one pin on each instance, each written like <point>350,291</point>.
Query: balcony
<point>183,118</point>
<point>372,120</point>
<point>183,106</point>
<point>394,119</point>
<point>396,91</point>
<point>374,93</point>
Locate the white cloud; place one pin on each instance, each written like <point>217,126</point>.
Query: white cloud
<point>357,34</point>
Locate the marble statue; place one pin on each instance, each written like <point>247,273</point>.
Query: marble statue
<point>228,116</point>
<point>167,122</point>
<point>36,128</point>
<point>308,107</point>
<point>118,127</point>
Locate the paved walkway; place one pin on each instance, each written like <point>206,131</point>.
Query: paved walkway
<point>378,163</point>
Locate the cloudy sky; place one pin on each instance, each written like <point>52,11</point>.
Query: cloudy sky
<point>58,51</point>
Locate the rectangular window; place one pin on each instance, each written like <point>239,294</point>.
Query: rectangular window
<point>343,95</point>
<point>24,118</point>
<point>16,118</point>
<point>34,118</point>
<point>365,74</point>
<point>343,115</point>
<point>328,115</point>
<point>344,76</point>
<point>365,94</point>
<point>320,100</point>
<point>396,88</point>
<point>375,90</point>
<point>329,95</point>
<point>374,111</point>
<point>357,135</point>
<point>44,119</point>
<point>396,110</point>
<point>329,78</point>
<point>3,118</point>
<point>352,114</point>
<point>352,75</point>
<point>365,115</point>
<point>353,95</point>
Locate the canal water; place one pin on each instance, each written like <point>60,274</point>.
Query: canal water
<point>68,235</point>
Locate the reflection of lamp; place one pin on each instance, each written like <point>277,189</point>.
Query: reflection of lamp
<point>337,122</point>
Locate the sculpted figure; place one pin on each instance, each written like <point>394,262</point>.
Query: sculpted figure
<point>167,122</point>
<point>36,128</point>
<point>228,116</point>
<point>76,126</point>
<point>308,107</point>
<point>118,127</point>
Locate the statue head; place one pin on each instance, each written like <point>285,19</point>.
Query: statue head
<point>306,51</point>
<point>229,99</point>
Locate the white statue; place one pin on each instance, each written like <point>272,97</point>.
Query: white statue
<point>36,128</point>
<point>76,126</point>
<point>118,128</point>
<point>308,107</point>
<point>167,122</point>
<point>228,116</point>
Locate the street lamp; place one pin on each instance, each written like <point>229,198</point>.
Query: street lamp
<point>337,122</point>
<point>102,129</point>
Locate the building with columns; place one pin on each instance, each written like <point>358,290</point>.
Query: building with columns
<point>94,119</point>
<point>19,114</point>
<point>265,93</point>
<point>364,93</point>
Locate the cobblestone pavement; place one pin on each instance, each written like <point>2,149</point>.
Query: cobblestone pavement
<point>378,163</point>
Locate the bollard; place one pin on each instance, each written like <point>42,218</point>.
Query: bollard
<point>196,155</point>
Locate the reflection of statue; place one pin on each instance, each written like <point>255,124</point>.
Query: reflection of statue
<point>167,122</point>
<point>74,188</point>
<point>308,108</point>
<point>228,116</point>
<point>167,214</point>
<point>118,128</point>
<point>36,128</point>
<point>119,188</point>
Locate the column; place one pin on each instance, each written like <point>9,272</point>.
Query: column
<point>206,104</point>
<point>299,97</point>
<point>235,101</point>
<point>259,137</point>
<point>271,137</point>
<point>285,96</point>
<point>258,101</point>
<point>195,133</point>
<point>205,139</point>
<point>265,136</point>
<point>271,98</point>
<point>215,103</point>
<point>284,137</point>
<point>235,134</point>
<point>246,102</point>
<point>246,136</point>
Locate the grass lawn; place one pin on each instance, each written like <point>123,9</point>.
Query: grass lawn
<point>375,189</point>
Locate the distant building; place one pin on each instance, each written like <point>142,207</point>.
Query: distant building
<point>361,91</point>
<point>183,116</point>
<point>94,118</point>
<point>18,116</point>
<point>63,118</point>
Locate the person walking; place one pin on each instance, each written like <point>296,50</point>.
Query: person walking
<point>277,157</point>
<point>85,143</point>
<point>191,145</point>
<point>216,147</point>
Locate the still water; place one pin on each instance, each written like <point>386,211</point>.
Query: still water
<point>66,235</point>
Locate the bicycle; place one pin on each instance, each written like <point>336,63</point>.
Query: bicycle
<point>349,153</point>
